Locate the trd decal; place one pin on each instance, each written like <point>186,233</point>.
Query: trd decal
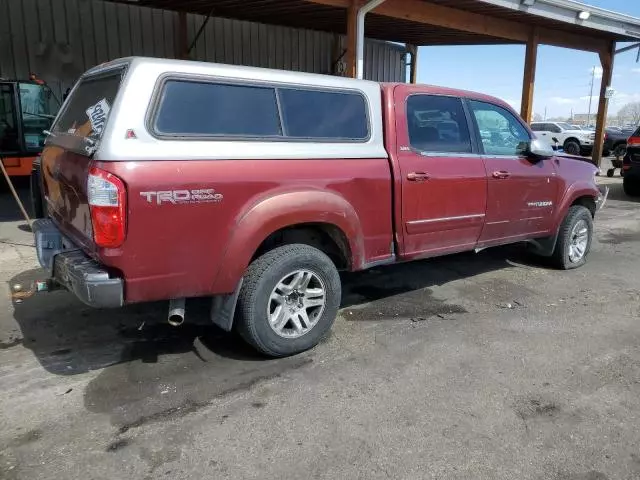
<point>205,195</point>
<point>540,204</point>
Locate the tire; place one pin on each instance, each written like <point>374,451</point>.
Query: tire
<point>576,217</point>
<point>606,153</point>
<point>571,147</point>
<point>611,172</point>
<point>279,267</point>
<point>631,186</point>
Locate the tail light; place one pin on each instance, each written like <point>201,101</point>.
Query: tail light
<point>633,142</point>
<point>108,204</point>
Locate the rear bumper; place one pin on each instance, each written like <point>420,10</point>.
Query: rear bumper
<point>71,268</point>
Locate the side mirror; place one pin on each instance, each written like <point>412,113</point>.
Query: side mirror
<point>539,150</point>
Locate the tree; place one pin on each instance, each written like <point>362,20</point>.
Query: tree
<point>630,113</point>
<point>537,117</point>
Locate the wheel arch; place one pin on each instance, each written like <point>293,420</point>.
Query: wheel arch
<point>571,139</point>
<point>316,218</point>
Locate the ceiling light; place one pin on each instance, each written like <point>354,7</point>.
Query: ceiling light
<point>584,15</point>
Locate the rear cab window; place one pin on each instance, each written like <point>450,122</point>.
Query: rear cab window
<point>215,110</point>
<point>87,110</point>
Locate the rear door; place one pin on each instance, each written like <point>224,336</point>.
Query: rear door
<point>68,150</point>
<point>443,180</point>
<point>522,194</point>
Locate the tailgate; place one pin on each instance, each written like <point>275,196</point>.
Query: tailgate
<point>64,178</point>
<point>66,158</point>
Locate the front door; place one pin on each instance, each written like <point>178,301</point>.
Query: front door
<point>522,194</point>
<point>443,180</point>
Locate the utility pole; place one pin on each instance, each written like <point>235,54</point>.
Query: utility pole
<point>593,76</point>
<point>545,114</point>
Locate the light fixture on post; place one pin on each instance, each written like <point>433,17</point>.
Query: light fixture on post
<point>528,3</point>
<point>584,15</point>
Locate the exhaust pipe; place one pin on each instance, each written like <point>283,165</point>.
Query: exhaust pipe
<point>176,312</point>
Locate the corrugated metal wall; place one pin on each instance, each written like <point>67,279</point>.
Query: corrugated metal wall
<point>60,39</point>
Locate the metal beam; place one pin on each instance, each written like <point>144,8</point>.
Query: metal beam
<point>362,12</point>
<point>626,49</point>
<point>457,19</point>
<point>529,78</point>
<point>606,60</point>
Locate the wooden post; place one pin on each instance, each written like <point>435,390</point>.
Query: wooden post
<point>183,36</point>
<point>413,66</point>
<point>351,40</point>
<point>529,78</point>
<point>606,60</point>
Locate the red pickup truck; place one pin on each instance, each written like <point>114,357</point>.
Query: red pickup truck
<point>167,179</point>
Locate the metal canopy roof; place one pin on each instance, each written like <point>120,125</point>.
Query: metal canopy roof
<point>559,18</point>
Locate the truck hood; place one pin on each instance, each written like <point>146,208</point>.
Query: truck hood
<point>585,163</point>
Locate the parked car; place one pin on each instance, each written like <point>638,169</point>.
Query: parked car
<point>615,142</point>
<point>169,179</point>
<point>573,141</point>
<point>631,165</point>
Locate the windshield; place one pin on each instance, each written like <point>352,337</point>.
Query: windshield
<point>39,107</point>
<point>87,110</point>
<point>565,126</point>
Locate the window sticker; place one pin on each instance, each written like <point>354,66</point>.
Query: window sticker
<point>98,115</point>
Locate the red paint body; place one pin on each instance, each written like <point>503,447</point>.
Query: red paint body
<point>200,249</point>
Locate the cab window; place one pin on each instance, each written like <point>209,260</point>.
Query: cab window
<point>437,124</point>
<point>501,132</point>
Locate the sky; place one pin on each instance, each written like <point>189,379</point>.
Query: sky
<point>563,76</point>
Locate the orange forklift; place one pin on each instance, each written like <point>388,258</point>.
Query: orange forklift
<point>26,109</point>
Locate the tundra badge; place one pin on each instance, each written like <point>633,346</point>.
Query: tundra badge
<point>205,195</point>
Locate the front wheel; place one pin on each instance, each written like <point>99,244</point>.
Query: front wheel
<point>574,238</point>
<point>289,300</point>
<point>571,147</point>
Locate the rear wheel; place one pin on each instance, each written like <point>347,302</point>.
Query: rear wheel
<point>574,238</point>
<point>571,147</point>
<point>631,186</point>
<point>289,300</point>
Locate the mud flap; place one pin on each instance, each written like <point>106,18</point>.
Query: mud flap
<point>223,308</point>
<point>544,246</point>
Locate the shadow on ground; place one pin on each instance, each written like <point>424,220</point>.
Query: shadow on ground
<point>149,371</point>
<point>69,338</point>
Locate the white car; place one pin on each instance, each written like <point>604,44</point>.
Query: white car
<point>573,141</point>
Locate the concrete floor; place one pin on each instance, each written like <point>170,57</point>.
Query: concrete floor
<point>487,366</point>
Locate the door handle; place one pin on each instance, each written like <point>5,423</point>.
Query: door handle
<point>501,174</point>
<point>417,176</point>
